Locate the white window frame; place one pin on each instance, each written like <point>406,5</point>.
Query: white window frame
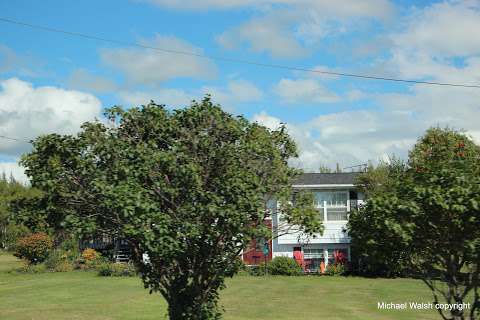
<point>325,206</point>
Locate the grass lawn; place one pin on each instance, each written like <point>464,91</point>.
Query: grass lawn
<point>84,295</point>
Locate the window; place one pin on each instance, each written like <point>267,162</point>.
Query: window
<point>313,253</point>
<point>333,198</point>
<point>313,259</point>
<point>337,213</point>
<point>336,202</point>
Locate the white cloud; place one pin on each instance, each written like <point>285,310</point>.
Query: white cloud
<point>267,120</point>
<point>355,136</point>
<point>450,28</point>
<point>236,91</point>
<point>147,66</point>
<point>12,168</point>
<point>304,91</point>
<point>438,43</point>
<point>373,8</point>
<point>348,138</point>
<point>81,79</point>
<point>266,34</point>
<point>26,112</point>
<point>288,28</point>
<point>167,96</point>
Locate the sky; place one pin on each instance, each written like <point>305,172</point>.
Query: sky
<point>51,82</point>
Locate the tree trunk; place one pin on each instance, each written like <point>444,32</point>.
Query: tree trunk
<point>191,304</point>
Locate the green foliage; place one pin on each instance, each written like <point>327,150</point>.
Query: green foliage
<point>281,266</point>
<point>187,186</point>
<point>105,269</point>
<point>116,269</point>
<point>12,233</point>
<point>59,260</point>
<point>31,268</point>
<point>300,212</point>
<point>90,259</point>
<point>428,219</point>
<point>11,229</point>
<point>336,269</point>
<point>256,270</point>
<point>284,266</point>
<point>378,179</point>
<point>34,248</point>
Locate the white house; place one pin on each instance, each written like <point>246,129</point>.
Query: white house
<point>335,196</point>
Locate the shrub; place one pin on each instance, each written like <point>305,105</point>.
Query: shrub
<point>123,270</point>
<point>34,248</point>
<point>90,254</point>
<point>284,266</point>
<point>63,266</point>
<point>340,257</point>
<point>105,269</point>
<point>90,259</point>
<point>336,269</point>
<point>31,268</point>
<point>258,270</point>
<point>59,261</point>
<point>117,269</point>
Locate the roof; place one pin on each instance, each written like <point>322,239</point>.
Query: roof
<point>343,178</point>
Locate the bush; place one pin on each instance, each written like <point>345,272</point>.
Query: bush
<point>59,261</point>
<point>117,269</point>
<point>336,269</point>
<point>284,266</point>
<point>34,248</point>
<point>63,266</point>
<point>258,270</point>
<point>105,269</point>
<point>90,259</point>
<point>90,254</point>
<point>31,268</point>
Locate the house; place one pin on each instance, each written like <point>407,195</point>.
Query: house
<point>335,196</point>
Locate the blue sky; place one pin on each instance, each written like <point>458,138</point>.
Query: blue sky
<point>53,82</point>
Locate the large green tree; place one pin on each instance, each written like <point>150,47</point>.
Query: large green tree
<point>10,227</point>
<point>376,251</point>
<point>187,187</point>
<point>430,217</point>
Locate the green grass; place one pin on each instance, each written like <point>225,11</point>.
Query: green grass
<point>84,295</point>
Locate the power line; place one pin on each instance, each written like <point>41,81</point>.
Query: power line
<point>249,62</point>
<point>14,139</point>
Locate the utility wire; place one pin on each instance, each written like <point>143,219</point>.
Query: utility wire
<point>249,62</point>
<point>14,139</point>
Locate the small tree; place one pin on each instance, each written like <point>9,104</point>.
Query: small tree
<point>34,248</point>
<point>431,214</point>
<point>187,187</point>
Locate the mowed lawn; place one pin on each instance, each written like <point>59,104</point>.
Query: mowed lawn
<point>84,295</point>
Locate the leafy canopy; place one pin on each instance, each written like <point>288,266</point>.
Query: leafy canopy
<point>429,218</point>
<point>187,187</point>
